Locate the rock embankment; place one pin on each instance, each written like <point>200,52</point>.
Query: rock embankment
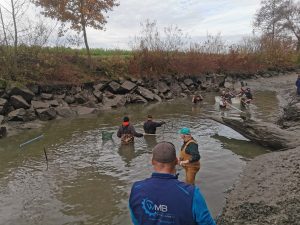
<point>48,102</point>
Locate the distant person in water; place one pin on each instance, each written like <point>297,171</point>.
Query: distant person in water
<point>127,132</point>
<point>298,85</point>
<point>197,99</point>
<point>150,125</point>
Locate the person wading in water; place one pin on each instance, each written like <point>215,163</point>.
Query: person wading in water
<point>127,132</point>
<point>150,126</point>
<point>189,155</point>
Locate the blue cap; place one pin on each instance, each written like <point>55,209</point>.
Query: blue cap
<point>185,131</point>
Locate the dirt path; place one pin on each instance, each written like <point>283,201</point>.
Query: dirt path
<point>269,189</point>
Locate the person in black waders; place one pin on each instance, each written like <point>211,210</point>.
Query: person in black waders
<point>150,126</point>
<point>127,132</point>
<point>189,155</point>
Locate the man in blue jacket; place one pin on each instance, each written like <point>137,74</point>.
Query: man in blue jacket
<point>163,199</point>
<point>298,85</point>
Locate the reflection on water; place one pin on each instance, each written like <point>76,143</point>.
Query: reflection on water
<point>89,179</point>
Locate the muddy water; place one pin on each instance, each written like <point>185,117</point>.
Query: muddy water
<point>88,180</point>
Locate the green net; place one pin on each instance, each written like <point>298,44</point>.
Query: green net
<point>107,135</point>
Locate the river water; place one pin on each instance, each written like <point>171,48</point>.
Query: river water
<point>88,180</point>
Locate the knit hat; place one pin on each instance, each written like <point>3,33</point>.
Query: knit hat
<point>126,119</point>
<point>185,131</point>
<point>164,152</point>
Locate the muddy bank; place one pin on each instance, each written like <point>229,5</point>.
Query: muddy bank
<point>269,189</point>
<point>267,193</point>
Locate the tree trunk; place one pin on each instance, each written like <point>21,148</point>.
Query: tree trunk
<point>15,42</point>
<point>87,46</point>
<point>3,27</point>
<point>263,133</point>
<point>15,24</point>
<point>298,44</point>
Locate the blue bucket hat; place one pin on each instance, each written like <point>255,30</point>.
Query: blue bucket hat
<point>185,131</point>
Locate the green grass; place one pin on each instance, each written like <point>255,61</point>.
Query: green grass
<point>94,51</point>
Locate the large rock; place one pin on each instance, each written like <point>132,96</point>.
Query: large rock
<point>1,119</point>
<point>24,92</point>
<point>17,115</point>
<point>157,98</point>
<point>127,86</point>
<point>46,96</point>
<point>53,103</point>
<point>40,105</point>
<point>99,87</point>
<point>183,86</point>
<point>176,89</point>
<point>162,87</point>
<point>145,93</point>
<point>80,98</point>
<point>3,132</point>
<point>114,87</point>
<point>98,95</point>
<point>17,101</point>
<point>65,112</point>
<point>70,99</point>
<point>46,114</point>
<point>118,101</point>
<point>188,82</point>
<point>3,106</point>
<point>82,110</point>
<point>134,98</point>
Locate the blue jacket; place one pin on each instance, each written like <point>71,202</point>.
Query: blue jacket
<point>298,83</point>
<point>163,200</point>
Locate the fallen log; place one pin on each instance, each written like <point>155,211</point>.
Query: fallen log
<point>263,133</point>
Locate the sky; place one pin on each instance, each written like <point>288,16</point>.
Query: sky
<point>231,18</point>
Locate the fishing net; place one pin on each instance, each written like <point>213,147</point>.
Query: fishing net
<point>106,135</point>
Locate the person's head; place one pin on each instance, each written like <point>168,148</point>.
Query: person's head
<point>149,117</point>
<point>164,158</point>
<point>125,121</point>
<point>185,133</point>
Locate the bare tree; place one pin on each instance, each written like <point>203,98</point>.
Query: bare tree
<point>269,18</point>
<point>291,15</point>
<point>3,27</point>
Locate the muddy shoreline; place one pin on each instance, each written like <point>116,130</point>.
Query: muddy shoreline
<point>268,191</point>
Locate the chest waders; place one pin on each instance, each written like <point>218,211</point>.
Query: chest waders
<point>190,168</point>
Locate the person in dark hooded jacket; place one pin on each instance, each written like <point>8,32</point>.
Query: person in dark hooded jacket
<point>150,125</point>
<point>298,85</point>
<point>127,132</point>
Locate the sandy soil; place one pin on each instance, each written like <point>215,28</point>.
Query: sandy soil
<point>269,189</point>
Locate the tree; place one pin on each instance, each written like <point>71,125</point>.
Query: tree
<point>3,27</point>
<point>291,15</point>
<point>79,13</point>
<point>269,18</point>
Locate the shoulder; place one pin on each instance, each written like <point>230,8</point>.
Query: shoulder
<point>139,184</point>
<point>185,188</point>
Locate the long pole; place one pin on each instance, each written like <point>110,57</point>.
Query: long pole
<point>234,107</point>
<point>34,139</point>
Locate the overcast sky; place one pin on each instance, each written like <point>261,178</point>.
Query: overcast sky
<point>232,18</point>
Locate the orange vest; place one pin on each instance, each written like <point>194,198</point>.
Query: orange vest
<point>184,156</point>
